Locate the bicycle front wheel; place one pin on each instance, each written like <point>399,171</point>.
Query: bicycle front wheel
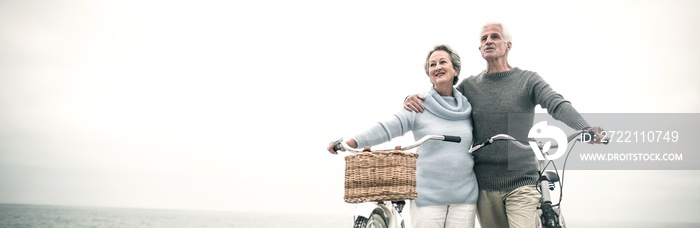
<point>375,220</point>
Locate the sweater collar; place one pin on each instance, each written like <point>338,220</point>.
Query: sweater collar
<point>500,74</point>
<point>440,107</point>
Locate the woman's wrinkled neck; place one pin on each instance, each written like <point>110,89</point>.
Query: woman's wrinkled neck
<point>443,90</point>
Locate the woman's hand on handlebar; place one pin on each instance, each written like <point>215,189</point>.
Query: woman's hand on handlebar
<point>414,103</point>
<point>331,147</point>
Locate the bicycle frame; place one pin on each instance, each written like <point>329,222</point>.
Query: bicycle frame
<point>389,212</point>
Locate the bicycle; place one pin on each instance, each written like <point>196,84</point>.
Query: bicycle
<point>386,213</point>
<point>549,214</point>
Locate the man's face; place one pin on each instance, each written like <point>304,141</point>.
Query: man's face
<point>493,46</point>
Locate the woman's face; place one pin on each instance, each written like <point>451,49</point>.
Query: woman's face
<point>440,68</point>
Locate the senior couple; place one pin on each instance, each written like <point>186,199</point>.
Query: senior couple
<point>452,185</point>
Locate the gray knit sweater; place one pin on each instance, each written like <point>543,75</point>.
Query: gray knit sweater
<point>495,95</point>
<point>444,172</point>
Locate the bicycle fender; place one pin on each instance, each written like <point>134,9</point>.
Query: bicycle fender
<point>364,209</point>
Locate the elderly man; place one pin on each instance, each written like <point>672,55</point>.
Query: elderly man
<point>507,197</point>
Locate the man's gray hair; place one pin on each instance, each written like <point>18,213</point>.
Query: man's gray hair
<point>505,33</point>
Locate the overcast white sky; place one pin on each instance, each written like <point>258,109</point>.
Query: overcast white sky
<point>229,105</point>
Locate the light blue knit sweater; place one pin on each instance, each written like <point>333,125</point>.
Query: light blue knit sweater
<point>444,173</point>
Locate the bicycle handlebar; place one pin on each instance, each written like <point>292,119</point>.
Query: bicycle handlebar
<point>526,144</point>
<point>549,217</point>
<point>338,144</point>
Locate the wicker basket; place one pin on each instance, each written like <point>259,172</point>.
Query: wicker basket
<point>380,176</point>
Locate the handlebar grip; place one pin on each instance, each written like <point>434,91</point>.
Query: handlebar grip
<point>336,147</point>
<point>605,140</point>
<point>591,133</point>
<point>451,138</point>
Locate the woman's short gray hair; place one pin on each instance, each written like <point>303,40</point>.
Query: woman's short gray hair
<point>454,58</point>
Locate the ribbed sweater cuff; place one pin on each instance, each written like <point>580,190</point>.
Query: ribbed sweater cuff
<point>568,114</point>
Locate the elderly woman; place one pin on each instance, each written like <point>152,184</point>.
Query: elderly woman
<point>445,181</point>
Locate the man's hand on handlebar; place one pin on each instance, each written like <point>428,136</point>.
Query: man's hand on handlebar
<point>414,103</point>
<point>597,137</point>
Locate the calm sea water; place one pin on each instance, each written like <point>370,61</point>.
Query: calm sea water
<point>21,216</point>
<point>59,216</point>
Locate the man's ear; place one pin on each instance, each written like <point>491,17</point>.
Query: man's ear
<point>510,45</point>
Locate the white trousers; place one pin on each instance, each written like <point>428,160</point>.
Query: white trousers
<point>443,216</point>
